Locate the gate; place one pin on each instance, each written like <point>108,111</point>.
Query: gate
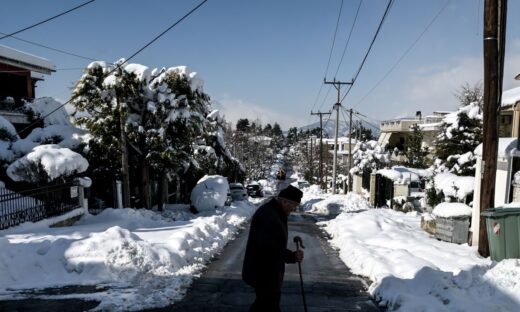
<point>37,204</point>
<point>384,190</point>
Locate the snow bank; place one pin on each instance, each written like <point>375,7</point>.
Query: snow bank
<point>451,210</point>
<point>147,259</point>
<point>412,271</point>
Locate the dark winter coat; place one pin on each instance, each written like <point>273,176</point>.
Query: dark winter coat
<point>266,251</point>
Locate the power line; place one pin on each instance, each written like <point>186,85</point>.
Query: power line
<point>334,38</point>
<point>390,2</point>
<point>46,20</point>
<point>118,66</point>
<point>50,48</point>
<point>405,53</point>
<point>165,31</point>
<point>348,39</point>
<point>328,63</point>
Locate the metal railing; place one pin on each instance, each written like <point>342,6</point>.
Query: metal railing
<point>36,204</point>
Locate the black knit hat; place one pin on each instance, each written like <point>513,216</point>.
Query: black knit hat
<point>291,193</point>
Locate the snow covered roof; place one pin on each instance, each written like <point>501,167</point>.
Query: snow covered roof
<point>511,96</point>
<point>506,146</point>
<point>25,60</point>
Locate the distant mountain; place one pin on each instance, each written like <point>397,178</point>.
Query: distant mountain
<point>329,128</point>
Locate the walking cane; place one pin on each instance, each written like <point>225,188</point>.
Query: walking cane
<point>299,242</point>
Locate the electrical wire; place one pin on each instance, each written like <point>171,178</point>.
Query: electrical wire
<point>330,56</point>
<point>390,2</point>
<point>348,39</point>
<point>119,65</point>
<point>334,38</point>
<point>50,48</point>
<point>46,20</point>
<point>404,54</point>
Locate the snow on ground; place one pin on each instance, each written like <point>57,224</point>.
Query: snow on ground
<point>410,269</point>
<point>144,259</point>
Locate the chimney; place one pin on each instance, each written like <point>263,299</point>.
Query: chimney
<point>418,115</point>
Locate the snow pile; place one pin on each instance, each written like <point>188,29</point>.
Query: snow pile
<point>210,193</point>
<point>451,210</point>
<point>454,186</point>
<point>149,260</point>
<point>334,204</point>
<point>412,271</point>
<point>54,160</point>
<point>403,175</point>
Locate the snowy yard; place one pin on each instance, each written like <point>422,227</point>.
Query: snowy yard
<point>410,269</point>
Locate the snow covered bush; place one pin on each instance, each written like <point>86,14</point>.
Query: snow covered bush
<point>46,163</point>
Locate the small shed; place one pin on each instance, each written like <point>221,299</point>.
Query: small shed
<point>508,163</point>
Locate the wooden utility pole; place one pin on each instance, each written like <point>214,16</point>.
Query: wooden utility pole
<point>321,145</point>
<point>337,85</point>
<point>349,149</point>
<point>494,44</point>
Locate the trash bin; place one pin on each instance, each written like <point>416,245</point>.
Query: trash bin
<point>503,231</point>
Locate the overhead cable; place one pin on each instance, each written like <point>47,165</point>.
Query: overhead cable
<point>404,54</point>
<point>348,38</point>
<point>370,47</point>
<point>46,20</point>
<point>126,60</point>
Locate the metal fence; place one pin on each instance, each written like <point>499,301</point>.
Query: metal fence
<point>36,204</point>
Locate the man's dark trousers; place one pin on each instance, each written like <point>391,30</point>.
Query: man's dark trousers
<point>267,300</point>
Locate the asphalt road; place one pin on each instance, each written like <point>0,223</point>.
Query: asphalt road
<point>328,284</point>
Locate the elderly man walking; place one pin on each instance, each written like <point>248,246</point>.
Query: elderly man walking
<point>266,251</point>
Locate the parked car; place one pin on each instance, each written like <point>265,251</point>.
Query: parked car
<point>303,184</point>
<point>238,192</point>
<point>255,190</point>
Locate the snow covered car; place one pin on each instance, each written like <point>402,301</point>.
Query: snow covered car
<point>238,192</point>
<point>210,193</point>
<point>303,184</point>
<point>254,190</point>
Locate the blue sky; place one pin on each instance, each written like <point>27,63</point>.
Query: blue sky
<point>266,59</point>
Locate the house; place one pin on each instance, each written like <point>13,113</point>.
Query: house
<point>394,133</point>
<point>510,113</point>
<point>19,73</point>
<point>343,150</point>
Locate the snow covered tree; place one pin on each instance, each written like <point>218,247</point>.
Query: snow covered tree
<point>165,122</point>
<point>368,156</point>
<point>461,133</point>
<point>416,154</point>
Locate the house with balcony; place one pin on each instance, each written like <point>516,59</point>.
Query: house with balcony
<point>19,74</point>
<point>395,132</point>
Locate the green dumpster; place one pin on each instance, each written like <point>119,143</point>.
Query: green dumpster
<point>503,230</point>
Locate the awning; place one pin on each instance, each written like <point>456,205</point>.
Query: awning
<point>384,138</point>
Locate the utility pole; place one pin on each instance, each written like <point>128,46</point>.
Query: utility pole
<point>337,85</point>
<point>321,145</point>
<point>494,46</point>
<point>349,149</point>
